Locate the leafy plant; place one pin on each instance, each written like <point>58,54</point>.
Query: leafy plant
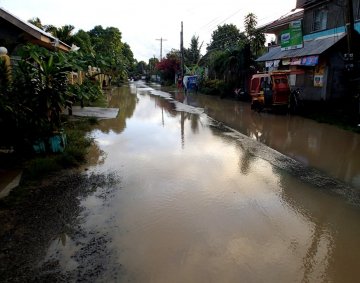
<point>87,91</point>
<point>214,87</point>
<point>42,84</point>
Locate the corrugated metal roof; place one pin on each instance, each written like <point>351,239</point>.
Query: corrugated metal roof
<point>292,16</point>
<point>311,47</point>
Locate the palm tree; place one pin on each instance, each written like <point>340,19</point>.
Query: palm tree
<point>36,22</point>
<point>63,33</point>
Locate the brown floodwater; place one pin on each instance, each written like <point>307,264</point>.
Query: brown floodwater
<point>325,147</point>
<point>195,204</point>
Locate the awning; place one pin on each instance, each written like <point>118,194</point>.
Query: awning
<point>311,47</point>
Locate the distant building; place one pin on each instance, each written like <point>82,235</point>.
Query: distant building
<point>313,44</point>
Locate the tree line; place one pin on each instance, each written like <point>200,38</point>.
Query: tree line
<point>229,58</point>
<point>101,46</point>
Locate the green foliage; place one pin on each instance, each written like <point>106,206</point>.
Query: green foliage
<point>102,47</point>
<point>36,22</point>
<point>225,37</point>
<point>141,68</point>
<point>213,87</point>
<point>40,87</point>
<point>114,57</point>
<point>231,53</point>
<point>82,39</point>
<point>63,33</point>
<point>74,154</point>
<point>192,55</point>
<point>88,91</point>
<point>31,104</point>
<point>255,38</point>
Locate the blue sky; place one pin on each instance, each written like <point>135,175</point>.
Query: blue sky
<point>142,22</point>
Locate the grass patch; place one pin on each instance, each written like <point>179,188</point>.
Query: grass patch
<point>37,168</point>
<point>74,154</point>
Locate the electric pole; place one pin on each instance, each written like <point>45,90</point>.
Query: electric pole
<point>351,63</point>
<point>161,41</point>
<point>182,50</point>
<point>350,24</point>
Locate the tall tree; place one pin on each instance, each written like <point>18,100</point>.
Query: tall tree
<point>141,68</point>
<point>82,39</point>
<point>192,55</point>
<point>108,46</point>
<point>226,36</point>
<point>106,41</point>
<point>128,56</point>
<point>63,33</point>
<point>255,38</point>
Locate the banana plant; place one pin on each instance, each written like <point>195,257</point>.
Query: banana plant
<point>41,91</point>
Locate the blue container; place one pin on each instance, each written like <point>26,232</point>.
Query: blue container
<point>39,146</point>
<point>57,142</point>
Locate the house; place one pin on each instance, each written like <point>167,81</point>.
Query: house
<point>15,32</point>
<point>317,45</point>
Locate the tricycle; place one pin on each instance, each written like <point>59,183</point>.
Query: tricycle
<point>270,90</point>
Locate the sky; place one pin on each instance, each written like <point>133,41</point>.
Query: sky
<point>143,22</point>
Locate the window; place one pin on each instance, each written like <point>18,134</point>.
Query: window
<point>357,11</point>
<point>320,20</point>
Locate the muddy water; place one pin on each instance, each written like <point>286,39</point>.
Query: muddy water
<point>332,150</point>
<point>194,204</point>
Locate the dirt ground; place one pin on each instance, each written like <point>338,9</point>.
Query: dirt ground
<point>29,224</point>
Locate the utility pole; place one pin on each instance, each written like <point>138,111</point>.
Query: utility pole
<point>350,25</point>
<point>161,41</point>
<point>182,50</point>
<point>351,63</point>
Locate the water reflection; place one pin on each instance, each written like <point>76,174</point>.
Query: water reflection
<point>327,148</point>
<point>330,250</point>
<point>124,100</point>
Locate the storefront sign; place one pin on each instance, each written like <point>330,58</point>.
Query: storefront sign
<point>295,61</point>
<point>304,61</point>
<point>285,62</point>
<point>310,60</point>
<point>318,80</point>
<point>292,38</point>
<point>272,64</point>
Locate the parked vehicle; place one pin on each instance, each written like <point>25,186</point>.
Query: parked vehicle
<point>269,90</point>
<point>190,83</point>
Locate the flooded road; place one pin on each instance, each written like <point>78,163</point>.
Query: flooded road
<point>332,150</point>
<point>199,202</point>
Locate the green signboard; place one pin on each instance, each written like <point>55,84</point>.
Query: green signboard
<point>292,38</point>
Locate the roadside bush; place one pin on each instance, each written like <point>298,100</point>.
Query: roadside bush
<point>31,102</point>
<point>74,154</point>
<point>213,87</point>
<point>88,91</point>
